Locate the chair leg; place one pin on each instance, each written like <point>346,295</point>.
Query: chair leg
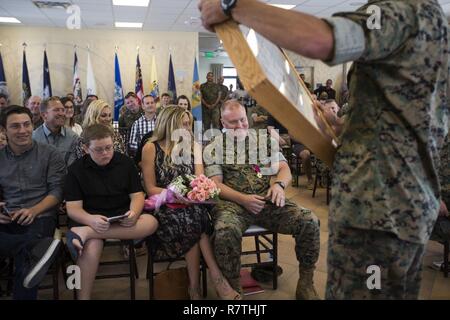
<point>328,188</point>
<point>9,285</point>
<point>258,254</point>
<point>275,260</point>
<point>55,277</point>
<point>136,270</point>
<point>132,261</point>
<point>446,252</point>
<point>204,279</point>
<point>150,271</point>
<point>315,185</point>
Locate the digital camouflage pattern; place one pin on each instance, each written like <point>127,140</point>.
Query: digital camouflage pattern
<point>223,92</point>
<point>385,188</point>
<point>260,111</point>
<point>210,116</point>
<point>210,92</point>
<point>385,170</point>
<point>441,231</point>
<point>128,118</point>
<point>399,262</point>
<point>231,220</point>
<point>343,110</point>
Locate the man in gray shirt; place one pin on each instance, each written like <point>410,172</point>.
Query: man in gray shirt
<point>53,132</point>
<point>31,178</point>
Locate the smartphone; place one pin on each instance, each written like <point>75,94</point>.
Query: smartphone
<point>117,218</point>
<point>7,211</point>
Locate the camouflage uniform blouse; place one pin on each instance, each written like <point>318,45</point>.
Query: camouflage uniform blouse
<point>386,169</point>
<point>238,170</point>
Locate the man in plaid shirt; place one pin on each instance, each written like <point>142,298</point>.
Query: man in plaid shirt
<point>143,125</point>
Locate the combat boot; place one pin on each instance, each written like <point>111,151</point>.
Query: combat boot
<point>305,285</point>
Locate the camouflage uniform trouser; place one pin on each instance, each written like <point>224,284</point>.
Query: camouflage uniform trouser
<point>231,220</point>
<point>351,251</point>
<point>211,117</point>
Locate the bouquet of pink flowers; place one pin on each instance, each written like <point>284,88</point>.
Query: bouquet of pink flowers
<point>185,190</point>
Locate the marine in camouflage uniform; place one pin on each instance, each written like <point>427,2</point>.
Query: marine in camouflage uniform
<point>127,119</point>
<point>231,220</point>
<point>211,101</point>
<point>441,231</point>
<point>223,91</point>
<point>385,191</point>
<point>260,111</point>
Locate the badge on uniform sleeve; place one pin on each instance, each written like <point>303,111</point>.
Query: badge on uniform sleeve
<point>258,171</point>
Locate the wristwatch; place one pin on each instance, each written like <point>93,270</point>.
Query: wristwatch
<point>227,6</point>
<point>281,184</point>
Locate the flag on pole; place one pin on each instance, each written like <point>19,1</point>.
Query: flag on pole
<point>154,90</point>
<point>3,87</point>
<point>171,87</point>
<point>139,87</point>
<point>47,90</point>
<point>76,85</point>
<point>90,81</point>
<point>196,95</point>
<point>118,91</point>
<point>26,88</point>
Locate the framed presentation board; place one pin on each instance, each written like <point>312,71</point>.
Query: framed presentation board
<point>270,77</point>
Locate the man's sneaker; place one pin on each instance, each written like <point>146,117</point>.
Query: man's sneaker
<point>438,265</point>
<point>41,258</point>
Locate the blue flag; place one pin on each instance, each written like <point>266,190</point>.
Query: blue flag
<point>171,87</point>
<point>3,87</point>
<point>26,88</point>
<point>47,93</point>
<point>196,94</point>
<point>118,91</point>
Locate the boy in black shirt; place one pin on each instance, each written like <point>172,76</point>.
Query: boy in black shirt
<point>101,185</point>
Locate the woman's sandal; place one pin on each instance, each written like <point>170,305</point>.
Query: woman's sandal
<point>232,295</point>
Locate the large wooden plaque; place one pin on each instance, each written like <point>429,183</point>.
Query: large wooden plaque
<point>271,78</point>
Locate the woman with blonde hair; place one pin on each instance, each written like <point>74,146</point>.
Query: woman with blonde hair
<point>182,231</point>
<point>99,112</point>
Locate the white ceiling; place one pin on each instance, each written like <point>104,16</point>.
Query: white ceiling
<point>160,15</point>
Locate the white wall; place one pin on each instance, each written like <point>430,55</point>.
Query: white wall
<point>322,71</point>
<point>205,65</point>
<point>60,50</point>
